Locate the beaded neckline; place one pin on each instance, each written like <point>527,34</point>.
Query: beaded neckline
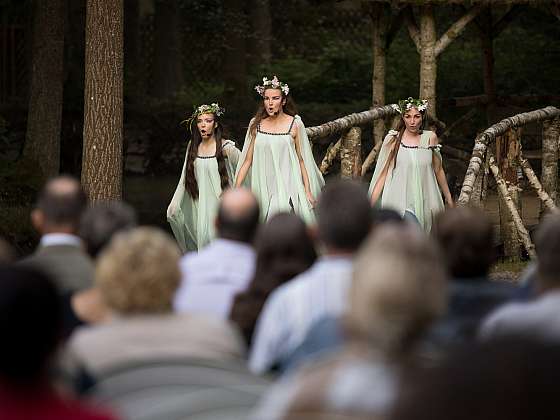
<point>277,134</point>
<point>205,157</point>
<point>435,147</point>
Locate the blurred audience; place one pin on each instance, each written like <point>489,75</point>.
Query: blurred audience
<point>137,275</point>
<point>465,236</point>
<point>213,276</point>
<point>284,250</point>
<point>343,221</point>
<point>31,324</point>
<point>56,217</point>
<point>398,289</point>
<point>503,380</point>
<point>97,226</point>
<point>539,318</point>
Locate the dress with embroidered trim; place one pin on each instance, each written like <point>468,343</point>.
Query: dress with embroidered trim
<point>411,185</point>
<point>192,221</point>
<point>275,176</point>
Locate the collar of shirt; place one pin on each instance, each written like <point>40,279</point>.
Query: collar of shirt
<point>51,239</point>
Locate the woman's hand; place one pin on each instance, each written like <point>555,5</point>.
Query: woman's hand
<point>311,199</point>
<point>449,203</point>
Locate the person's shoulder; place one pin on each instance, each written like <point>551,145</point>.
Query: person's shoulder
<point>228,144</point>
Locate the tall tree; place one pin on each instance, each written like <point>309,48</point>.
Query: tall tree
<point>42,139</point>
<point>103,100</point>
<point>235,57</point>
<point>168,68</point>
<point>261,21</point>
<point>131,49</point>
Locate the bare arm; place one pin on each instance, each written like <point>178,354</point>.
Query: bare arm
<point>440,173</point>
<point>246,164</point>
<point>303,169</point>
<point>380,183</point>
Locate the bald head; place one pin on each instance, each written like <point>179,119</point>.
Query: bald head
<point>60,205</point>
<point>238,215</point>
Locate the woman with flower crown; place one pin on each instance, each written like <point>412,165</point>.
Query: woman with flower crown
<point>409,168</point>
<point>276,161</point>
<point>209,168</point>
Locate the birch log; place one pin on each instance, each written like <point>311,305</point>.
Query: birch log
<point>545,198</point>
<point>378,46</point>
<point>350,155</point>
<point>503,190</point>
<point>332,152</point>
<point>550,155</point>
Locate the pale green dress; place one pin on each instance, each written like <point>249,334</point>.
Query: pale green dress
<point>192,221</point>
<point>275,176</point>
<point>411,185</point>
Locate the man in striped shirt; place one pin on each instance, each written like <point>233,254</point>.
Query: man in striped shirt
<point>343,222</point>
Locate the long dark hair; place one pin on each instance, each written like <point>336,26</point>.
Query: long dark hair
<point>191,184</point>
<point>284,250</point>
<point>289,108</point>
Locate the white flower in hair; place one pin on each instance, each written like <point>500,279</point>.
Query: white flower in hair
<point>396,108</point>
<point>274,83</point>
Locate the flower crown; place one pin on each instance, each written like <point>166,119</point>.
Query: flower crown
<point>274,84</point>
<point>213,108</point>
<point>405,105</point>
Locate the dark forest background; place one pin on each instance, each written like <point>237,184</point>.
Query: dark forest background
<point>181,53</point>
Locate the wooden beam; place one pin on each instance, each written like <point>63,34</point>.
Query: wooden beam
<point>412,27</point>
<point>456,29</point>
<point>505,20</point>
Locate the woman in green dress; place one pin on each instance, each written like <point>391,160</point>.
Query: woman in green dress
<point>276,162</point>
<point>409,169</point>
<point>209,168</point>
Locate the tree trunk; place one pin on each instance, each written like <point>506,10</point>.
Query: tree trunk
<point>103,100</point>
<point>507,156</point>
<point>42,139</point>
<point>235,59</point>
<point>379,41</point>
<point>350,154</point>
<point>131,50</point>
<point>550,155</point>
<point>478,194</point>
<point>428,58</point>
<point>487,44</point>
<point>168,67</point>
<point>262,33</point>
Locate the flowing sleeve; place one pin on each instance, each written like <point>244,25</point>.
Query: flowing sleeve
<point>381,159</point>
<point>243,156</point>
<point>316,181</point>
<point>232,153</point>
<point>177,212</point>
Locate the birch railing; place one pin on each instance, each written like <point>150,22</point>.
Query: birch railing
<point>509,162</point>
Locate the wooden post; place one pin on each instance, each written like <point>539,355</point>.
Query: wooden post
<point>379,41</point>
<point>507,157</point>
<point>350,159</point>
<point>550,155</point>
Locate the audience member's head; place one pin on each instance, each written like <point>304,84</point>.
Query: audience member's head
<point>547,243</point>
<point>138,271</point>
<point>465,236</point>
<point>398,287</point>
<point>382,216</point>
<point>31,324</point>
<point>101,221</point>
<point>238,215</point>
<point>284,250</point>
<point>503,380</point>
<point>343,216</point>
<point>7,253</point>
<point>60,205</point>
